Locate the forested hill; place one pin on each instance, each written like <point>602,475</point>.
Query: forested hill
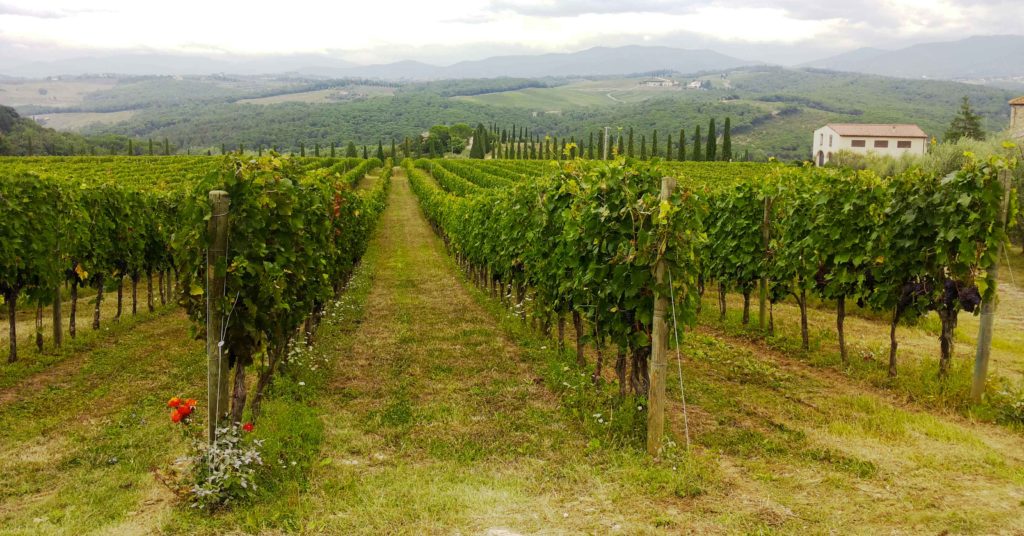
<point>772,110</point>
<point>23,136</point>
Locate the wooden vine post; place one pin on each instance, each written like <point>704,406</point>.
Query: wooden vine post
<point>659,350</point>
<point>58,329</point>
<point>763,284</point>
<point>216,363</point>
<point>988,307</point>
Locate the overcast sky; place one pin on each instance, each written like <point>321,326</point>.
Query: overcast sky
<point>782,31</point>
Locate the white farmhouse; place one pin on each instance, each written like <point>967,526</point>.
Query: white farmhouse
<point>1017,117</point>
<point>893,140</point>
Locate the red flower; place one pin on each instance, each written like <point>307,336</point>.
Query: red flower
<point>184,410</point>
<point>191,402</point>
<point>176,416</point>
<point>174,402</point>
<point>247,427</point>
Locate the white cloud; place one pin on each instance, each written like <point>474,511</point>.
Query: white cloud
<point>373,31</point>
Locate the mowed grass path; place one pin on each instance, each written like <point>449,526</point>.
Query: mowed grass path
<point>437,425</point>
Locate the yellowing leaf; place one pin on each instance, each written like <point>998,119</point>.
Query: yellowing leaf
<point>195,290</point>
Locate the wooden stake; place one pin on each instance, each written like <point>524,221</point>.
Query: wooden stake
<point>58,329</point>
<point>217,365</point>
<point>659,351</point>
<point>763,284</point>
<point>988,307</point>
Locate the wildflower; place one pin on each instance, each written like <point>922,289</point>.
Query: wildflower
<point>174,402</point>
<point>247,427</point>
<point>176,416</point>
<point>191,402</point>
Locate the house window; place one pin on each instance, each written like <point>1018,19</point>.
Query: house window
<point>821,139</point>
<point>903,144</point>
<point>857,143</point>
<point>830,140</point>
<point>881,144</point>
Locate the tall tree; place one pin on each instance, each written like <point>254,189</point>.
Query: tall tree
<point>302,149</point>
<point>394,155</point>
<point>629,144</point>
<point>150,146</point>
<point>131,149</point>
<point>643,147</point>
<point>712,148</point>
<point>697,152</point>
<point>654,144</point>
<point>167,147</point>
<point>681,156</point>
<point>600,145</point>
<point>350,150</point>
<point>380,150</point>
<point>316,150</point>
<point>966,124</point>
<point>727,141</point>
<point>621,150</point>
<point>333,149</point>
<point>668,146</point>
<point>590,147</point>
<point>366,154</point>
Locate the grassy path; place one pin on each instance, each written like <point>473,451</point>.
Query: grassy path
<point>79,448</point>
<point>436,423</point>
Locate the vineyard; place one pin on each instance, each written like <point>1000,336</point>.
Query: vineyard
<point>437,345</point>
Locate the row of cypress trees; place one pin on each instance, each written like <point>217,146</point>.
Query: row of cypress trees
<point>520,143</point>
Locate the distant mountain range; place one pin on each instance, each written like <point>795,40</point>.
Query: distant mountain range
<point>979,57</point>
<point>593,61</point>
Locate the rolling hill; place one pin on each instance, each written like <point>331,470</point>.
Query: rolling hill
<point>978,57</point>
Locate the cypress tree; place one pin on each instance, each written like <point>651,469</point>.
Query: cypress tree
<point>681,155</point>
<point>380,150</point>
<point>224,149</point>
<point>167,147</point>
<point>643,147</point>
<point>727,141</point>
<point>629,144</point>
<point>696,146</point>
<point>241,149</point>
<point>150,146</point>
<point>131,149</point>
<point>590,147</point>
<point>260,150</point>
<point>746,155</point>
<point>519,151</point>
<point>405,147</point>
<point>621,150</point>
<point>547,149</point>
<point>394,155</point>
<point>600,145</point>
<point>966,124</point>
<point>302,149</point>
<point>366,154</point>
<point>668,146</point>
<point>333,152</point>
<point>350,150</point>
<point>709,155</point>
<point>654,143</point>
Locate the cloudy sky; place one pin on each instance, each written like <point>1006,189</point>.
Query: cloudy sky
<point>780,31</point>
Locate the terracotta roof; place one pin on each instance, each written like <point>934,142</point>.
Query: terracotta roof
<point>877,131</point>
<point>1018,100</point>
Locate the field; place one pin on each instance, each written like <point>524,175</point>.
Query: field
<point>324,95</point>
<point>80,120</point>
<point>423,386</point>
